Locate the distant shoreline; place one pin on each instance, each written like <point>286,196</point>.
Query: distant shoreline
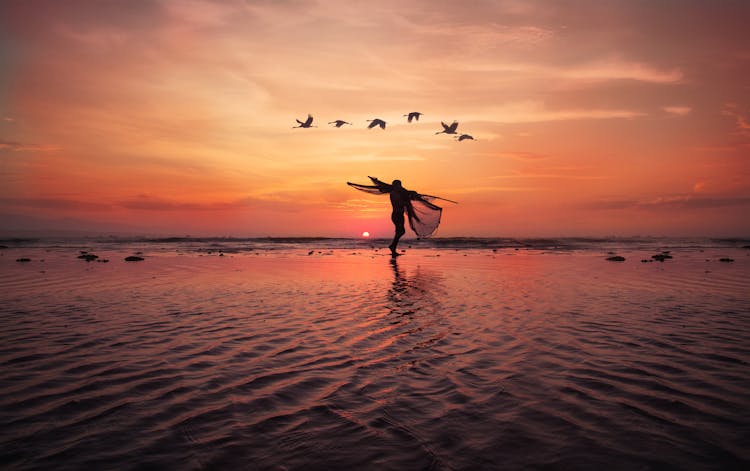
<point>245,244</point>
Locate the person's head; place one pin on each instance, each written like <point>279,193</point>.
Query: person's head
<point>396,183</point>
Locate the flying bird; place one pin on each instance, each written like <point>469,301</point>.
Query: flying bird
<point>306,124</point>
<point>464,136</point>
<point>338,123</point>
<point>448,129</point>
<point>413,115</point>
<point>376,122</point>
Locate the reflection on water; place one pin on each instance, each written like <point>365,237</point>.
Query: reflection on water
<point>354,362</point>
<point>398,291</point>
<point>415,292</point>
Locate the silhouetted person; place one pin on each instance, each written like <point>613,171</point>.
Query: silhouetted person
<point>424,216</point>
<point>400,198</point>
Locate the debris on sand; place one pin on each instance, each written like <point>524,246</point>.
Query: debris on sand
<point>661,256</point>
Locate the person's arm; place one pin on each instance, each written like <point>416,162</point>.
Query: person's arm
<point>381,185</point>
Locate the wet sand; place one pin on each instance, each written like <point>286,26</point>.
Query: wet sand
<point>443,359</point>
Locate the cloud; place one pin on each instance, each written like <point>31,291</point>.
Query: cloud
<point>379,158</point>
<point>523,155</point>
<point>743,123</point>
<point>491,189</point>
<point>271,202</point>
<point>358,205</point>
<point>539,170</point>
<point>155,203</point>
<point>54,203</point>
<point>482,36</point>
<point>9,145</point>
<point>267,202</point>
<point>615,69</point>
<point>677,110</point>
<point>201,13</point>
<point>593,72</point>
<point>96,38</point>
<point>20,147</point>
<point>535,111</point>
<point>670,202</point>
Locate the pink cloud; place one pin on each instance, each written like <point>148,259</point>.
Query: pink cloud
<point>20,147</point>
<point>742,123</point>
<point>678,110</point>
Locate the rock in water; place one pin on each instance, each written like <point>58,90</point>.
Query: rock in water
<point>616,258</point>
<point>133,258</point>
<point>661,257</point>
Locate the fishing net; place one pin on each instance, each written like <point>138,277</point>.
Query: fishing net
<point>424,216</point>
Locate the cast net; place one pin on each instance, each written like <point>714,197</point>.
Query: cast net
<point>426,218</point>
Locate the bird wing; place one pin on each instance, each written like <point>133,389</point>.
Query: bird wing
<point>309,120</point>
<point>453,126</point>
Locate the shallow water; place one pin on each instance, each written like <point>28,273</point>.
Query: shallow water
<point>444,359</point>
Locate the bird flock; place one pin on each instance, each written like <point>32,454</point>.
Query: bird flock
<point>377,122</point>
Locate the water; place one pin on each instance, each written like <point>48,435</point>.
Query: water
<point>238,244</point>
<point>326,354</point>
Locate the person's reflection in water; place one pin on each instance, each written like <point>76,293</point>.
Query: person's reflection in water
<point>398,293</point>
<point>415,293</point>
<point>416,320</point>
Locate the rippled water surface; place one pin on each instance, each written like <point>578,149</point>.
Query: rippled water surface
<point>342,359</point>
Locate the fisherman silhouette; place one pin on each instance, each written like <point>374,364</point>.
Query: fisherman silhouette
<point>424,216</point>
<point>400,198</point>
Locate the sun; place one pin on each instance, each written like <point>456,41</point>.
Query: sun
<point>365,234</point>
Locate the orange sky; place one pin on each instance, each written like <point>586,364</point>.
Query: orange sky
<point>175,117</point>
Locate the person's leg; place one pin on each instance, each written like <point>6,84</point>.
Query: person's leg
<point>400,231</point>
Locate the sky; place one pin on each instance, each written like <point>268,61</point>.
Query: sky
<point>589,118</point>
